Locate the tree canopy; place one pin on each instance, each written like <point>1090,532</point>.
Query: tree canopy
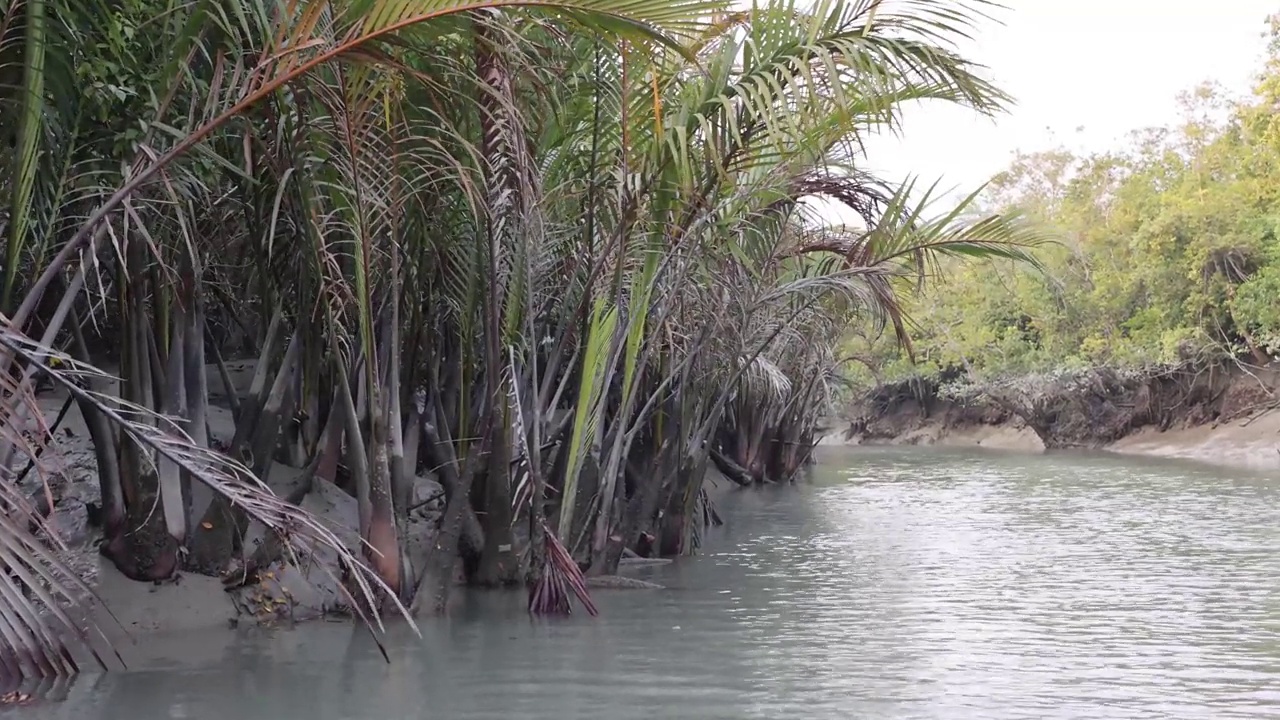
<point>555,254</point>
<point>1166,251</point>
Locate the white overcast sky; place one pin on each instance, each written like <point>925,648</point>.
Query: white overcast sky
<point>1106,66</point>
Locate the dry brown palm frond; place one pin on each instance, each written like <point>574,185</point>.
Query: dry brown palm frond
<point>301,533</point>
<point>561,581</point>
<point>38,592</point>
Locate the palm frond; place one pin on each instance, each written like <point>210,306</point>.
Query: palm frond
<point>222,474</point>
<point>561,581</point>
<point>37,589</point>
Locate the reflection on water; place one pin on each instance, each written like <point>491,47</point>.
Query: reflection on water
<point>895,584</point>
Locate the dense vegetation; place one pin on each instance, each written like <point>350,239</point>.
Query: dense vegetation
<point>558,257</point>
<point>1167,254</point>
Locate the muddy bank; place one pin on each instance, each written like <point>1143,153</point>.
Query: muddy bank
<point>65,485</point>
<point>1226,415</point>
<point>131,612</point>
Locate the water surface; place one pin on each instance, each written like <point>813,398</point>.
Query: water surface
<point>901,583</point>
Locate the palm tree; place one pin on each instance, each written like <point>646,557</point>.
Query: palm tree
<point>558,254</point>
<point>269,131</point>
<point>707,263</point>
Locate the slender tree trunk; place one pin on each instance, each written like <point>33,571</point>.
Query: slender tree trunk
<point>104,445</point>
<point>247,418</point>
<point>502,146</point>
<point>145,550</point>
<point>732,470</point>
<point>331,451</point>
<point>174,407</point>
<point>443,457</point>
<point>383,541</point>
<point>222,526</point>
<point>357,458</point>
<point>381,535</point>
<point>197,391</point>
<point>402,483</point>
<point>233,397</point>
<point>498,562</point>
<point>433,587</point>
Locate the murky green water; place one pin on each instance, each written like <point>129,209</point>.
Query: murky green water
<point>896,584</point>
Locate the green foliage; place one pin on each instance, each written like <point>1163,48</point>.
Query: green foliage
<point>1257,301</point>
<point>586,260</point>
<point>1167,250</point>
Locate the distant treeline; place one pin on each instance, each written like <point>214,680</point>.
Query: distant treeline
<point>1168,253</point>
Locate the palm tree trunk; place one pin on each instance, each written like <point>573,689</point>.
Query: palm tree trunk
<point>503,152</point>
<point>498,561</point>
<point>104,441</point>
<point>197,391</point>
<point>432,594</point>
<point>145,550</point>
<point>174,405</point>
<point>222,526</point>
<point>382,535</point>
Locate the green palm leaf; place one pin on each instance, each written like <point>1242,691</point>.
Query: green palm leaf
<point>27,145</point>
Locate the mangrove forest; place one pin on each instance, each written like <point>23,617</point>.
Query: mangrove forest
<point>512,277</point>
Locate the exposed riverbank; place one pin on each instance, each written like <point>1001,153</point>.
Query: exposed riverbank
<point>1227,417</point>
<point>132,613</point>
<point>1231,420</point>
<point>130,610</point>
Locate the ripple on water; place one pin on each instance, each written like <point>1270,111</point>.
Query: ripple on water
<point>894,584</point>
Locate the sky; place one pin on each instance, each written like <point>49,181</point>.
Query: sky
<point>1084,74</point>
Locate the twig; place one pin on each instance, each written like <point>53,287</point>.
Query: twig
<point>428,501</point>
<point>66,405</point>
<point>1261,413</point>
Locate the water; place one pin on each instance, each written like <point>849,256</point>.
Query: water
<point>894,584</point>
